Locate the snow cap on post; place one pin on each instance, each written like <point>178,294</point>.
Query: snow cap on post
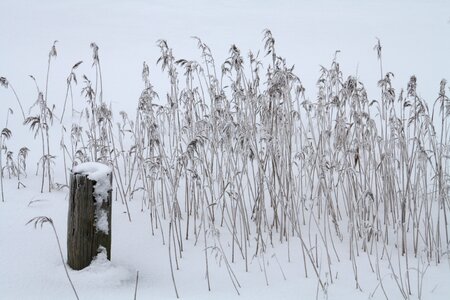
<point>95,170</point>
<point>98,172</point>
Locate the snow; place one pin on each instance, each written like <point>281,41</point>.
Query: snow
<point>30,267</point>
<point>415,40</point>
<point>102,221</point>
<point>96,171</point>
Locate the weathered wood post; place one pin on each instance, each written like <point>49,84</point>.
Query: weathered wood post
<point>89,219</point>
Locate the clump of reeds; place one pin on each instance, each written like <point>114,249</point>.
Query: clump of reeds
<point>238,155</point>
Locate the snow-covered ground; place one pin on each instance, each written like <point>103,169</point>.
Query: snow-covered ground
<point>415,36</point>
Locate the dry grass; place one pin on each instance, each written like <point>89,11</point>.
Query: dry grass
<point>237,152</point>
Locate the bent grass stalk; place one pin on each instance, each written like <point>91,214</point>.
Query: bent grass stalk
<point>41,220</point>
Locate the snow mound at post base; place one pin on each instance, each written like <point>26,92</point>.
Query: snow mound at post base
<point>103,272</point>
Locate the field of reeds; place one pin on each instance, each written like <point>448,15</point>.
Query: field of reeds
<point>235,157</point>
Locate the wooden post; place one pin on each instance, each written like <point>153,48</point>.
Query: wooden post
<point>89,219</point>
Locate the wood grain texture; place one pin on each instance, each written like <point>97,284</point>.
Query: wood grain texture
<point>83,238</point>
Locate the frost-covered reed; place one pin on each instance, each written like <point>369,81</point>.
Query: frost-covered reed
<point>235,154</point>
